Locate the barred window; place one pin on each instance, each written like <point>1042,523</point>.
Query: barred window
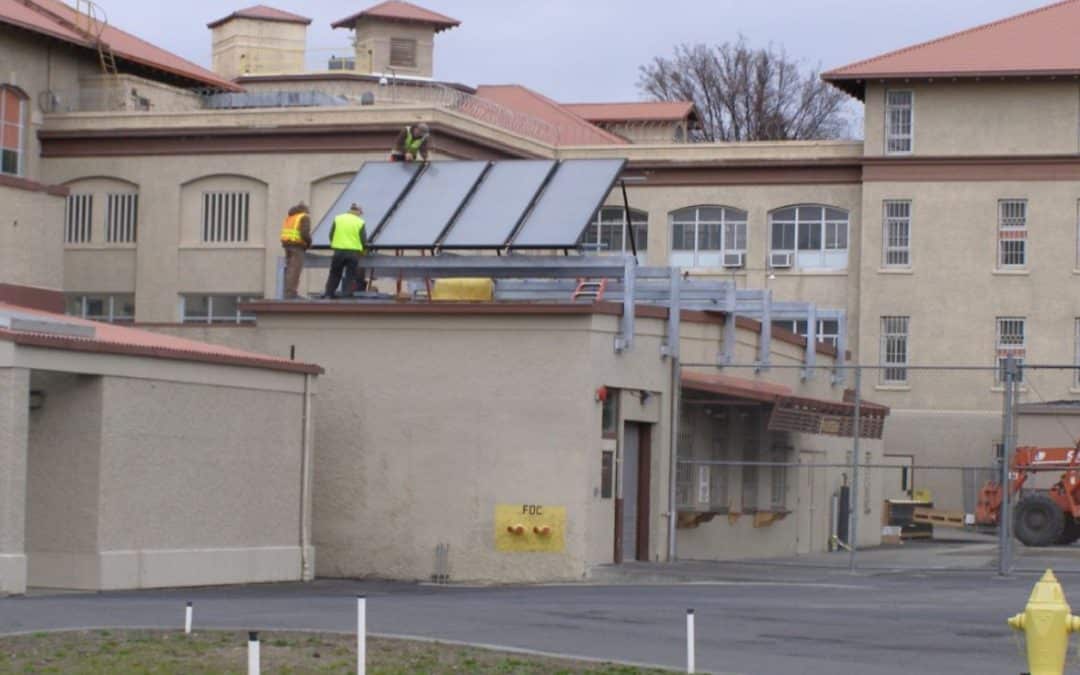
<point>197,308</point>
<point>897,234</point>
<point>117,308</point>
<point>899,121</point>
<point>894,349</point>
<point>403,52</point>
<point>121,217</point>
<point>1011,341</point>
<point>225,216</point>
<point>78,218</point>
<point>781,454</point>
<point>1012,233</point>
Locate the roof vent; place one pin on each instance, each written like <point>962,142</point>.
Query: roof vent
<point>32,323</point>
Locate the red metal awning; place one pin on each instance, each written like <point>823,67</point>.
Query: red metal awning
<point>736,387</point>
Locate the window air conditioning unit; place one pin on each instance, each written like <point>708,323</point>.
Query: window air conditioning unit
<point>781,259</point>
<point>734,259</point>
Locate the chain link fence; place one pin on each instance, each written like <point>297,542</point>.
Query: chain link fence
<point>767,477</point>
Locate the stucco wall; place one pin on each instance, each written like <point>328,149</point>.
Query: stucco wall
<point>374,36</point>
<point>421,434</point>
<point>242,46</point>
<point>14,429</point>
<point>31,238</point>
<point>982,118</point>
<point>199,484</point>
<point>63,481</point>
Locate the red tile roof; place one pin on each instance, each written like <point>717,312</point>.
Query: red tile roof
<point>1039,42</point>
<point>639,111</point>
<point>396,10</point>
<point>57,20</point>
<point>113,339</point>
<point>263,13</point>
<point>571,128</point>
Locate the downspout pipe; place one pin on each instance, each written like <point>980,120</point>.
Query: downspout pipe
<point>306,571</point>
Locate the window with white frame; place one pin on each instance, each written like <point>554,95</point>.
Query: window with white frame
<point>899,122</point>
<point>115,308</point>
<point>1012,233</point>
<point>225,217</point>
<point>198,308</point>
<point>896,235</point>
<point>1076,352</point>
<point>894,349</point>
<point>79,218</point>
<point>607,231</point>
<point>121,217</point>
<point>12,130</point>
<point>828,330</point>
<point>809,236</point>
<point>1011,341</point>
<point>708,236</point>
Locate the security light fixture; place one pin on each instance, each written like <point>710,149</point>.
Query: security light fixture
<point>37,399</point>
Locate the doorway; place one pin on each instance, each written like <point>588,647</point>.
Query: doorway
<point>632,506</point>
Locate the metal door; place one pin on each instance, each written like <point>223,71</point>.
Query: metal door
<point>628,483</point>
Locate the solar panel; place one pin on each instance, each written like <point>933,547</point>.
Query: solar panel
<point>376,187</point>
<point>431,203</point>
<point>496,208</point>
<point>569,201</point>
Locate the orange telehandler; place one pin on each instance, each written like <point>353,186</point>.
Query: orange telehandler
<point>1040,517</point>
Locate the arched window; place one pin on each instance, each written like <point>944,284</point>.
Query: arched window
<point>12,126</point>
<point>808,236</point>
<point>606,232</point>
<point>708,236</point>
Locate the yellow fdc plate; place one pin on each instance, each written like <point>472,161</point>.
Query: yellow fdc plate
<point>463,289</point>
<point>530,516</point>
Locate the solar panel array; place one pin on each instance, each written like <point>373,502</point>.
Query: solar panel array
<point>476,205</point>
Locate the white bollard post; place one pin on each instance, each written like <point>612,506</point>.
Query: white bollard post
<point>253,653</point>
<point>690,641</point>
<point>187,619</point>
<point>361,635</point>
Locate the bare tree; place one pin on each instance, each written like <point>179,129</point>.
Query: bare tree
<point>747,94</point>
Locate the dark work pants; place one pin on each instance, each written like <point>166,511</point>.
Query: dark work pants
<point>347,261</point>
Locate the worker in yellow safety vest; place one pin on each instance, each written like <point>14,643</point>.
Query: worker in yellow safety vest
<point>411,144</point>
<point>296,240</point>
<point>348,239</point>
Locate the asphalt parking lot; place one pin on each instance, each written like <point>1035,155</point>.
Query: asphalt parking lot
<point>750,618</point>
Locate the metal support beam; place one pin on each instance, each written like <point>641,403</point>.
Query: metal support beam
<point>811,343</point>
<point>839,375</point>
<point>279,278</point>
<point>727,352</point>
<point>765,341</point>
<point>625,339</point>
<point>670,348</point>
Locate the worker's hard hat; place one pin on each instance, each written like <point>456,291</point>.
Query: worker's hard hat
<point>422,129</point>
<point>355,207</point>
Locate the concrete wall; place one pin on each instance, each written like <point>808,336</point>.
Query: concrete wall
<point>373,46</point>
<point>31,238</point>
<point>983,118</point>
<point>249,46</point>
<point>14,404</point>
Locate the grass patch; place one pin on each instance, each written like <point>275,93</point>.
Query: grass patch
<point>282,653</point>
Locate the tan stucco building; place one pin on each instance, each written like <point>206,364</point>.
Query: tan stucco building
<point>917,236</point>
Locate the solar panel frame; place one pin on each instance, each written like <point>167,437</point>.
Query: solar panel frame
<point>377,187</point>
<point>430,206</point>
<point>548,224</point>
<point>498,205</point>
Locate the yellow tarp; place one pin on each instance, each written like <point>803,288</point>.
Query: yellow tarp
<point>463,290</point>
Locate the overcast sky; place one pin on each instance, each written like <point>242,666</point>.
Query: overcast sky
<point>590,50</point>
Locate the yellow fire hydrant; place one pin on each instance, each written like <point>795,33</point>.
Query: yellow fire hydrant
<point>1046,621</point>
